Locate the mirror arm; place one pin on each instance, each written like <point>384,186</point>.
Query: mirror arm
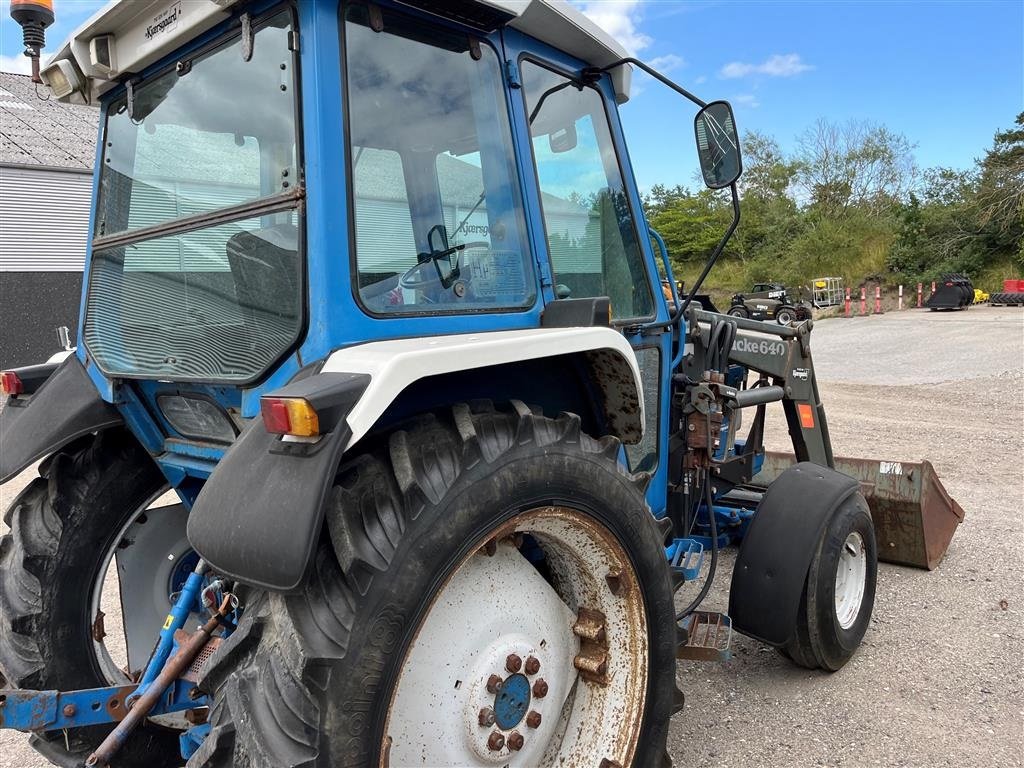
<point>681,309</point>
<point>714,254</point>
<point>653,73</point>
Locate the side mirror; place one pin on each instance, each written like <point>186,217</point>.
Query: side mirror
<point>718,145</point>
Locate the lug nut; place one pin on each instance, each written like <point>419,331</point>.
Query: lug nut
<point>493,684</point>
<point>540,688</point>
<point>513,663</point>
<point>533,719</point>
<point>496,742</point>
<point>515,741</point>
<point>532,665</point>
<point>486,717</point>
<point>69,710</point>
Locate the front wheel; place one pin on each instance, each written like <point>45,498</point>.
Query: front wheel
<point>491,591</point>
<point>738,311</point>
<point>839,594</point>
<point>785,316</point>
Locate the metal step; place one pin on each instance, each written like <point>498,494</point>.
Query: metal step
<point>686,556</point>
<point>708,635</point>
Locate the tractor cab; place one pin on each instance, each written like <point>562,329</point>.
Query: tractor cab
<point>376,384</point>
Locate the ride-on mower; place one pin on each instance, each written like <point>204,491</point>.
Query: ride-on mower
<point>370,294</point>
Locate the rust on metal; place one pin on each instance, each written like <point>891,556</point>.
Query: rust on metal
<point>708,635</point>
<point>515,741</point>
<point>197,716</point>
<point>195,669</point>
<point>495,742</point>
<point>513,663</point>
<point>172,669</point>
<point>533,719</point>
<point>615,583</point>
<point>590,626</point>
<point>913,514</point>
<point>494,684</point>
<point>532,665</point>
<point>70,710</point>
<point>593,666</point>
<point>540,688</point>
<point>490,547</point>
<point>592,660</point>
<point>606,763</point>
<point>486,717</point>
<point>98,630</point>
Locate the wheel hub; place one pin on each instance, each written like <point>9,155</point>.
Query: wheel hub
<point>500,672</point>
<point>512,701</point>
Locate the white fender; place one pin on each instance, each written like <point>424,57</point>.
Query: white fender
<point>394,365</point>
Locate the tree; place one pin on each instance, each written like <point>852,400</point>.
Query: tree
<point>857,163</point>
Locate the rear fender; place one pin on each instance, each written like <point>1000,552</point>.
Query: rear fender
<point>778,547</point>
<point>258,517</point>
<point>66,406</point>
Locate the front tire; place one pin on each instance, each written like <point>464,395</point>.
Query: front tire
<point>62,525</point>
<point>785,316</point>
<point>839,594</point>
<point>445,550</point>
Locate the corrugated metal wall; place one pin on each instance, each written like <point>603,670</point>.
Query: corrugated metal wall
<point>44,219</point>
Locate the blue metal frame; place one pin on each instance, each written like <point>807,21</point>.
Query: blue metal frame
<point>335,318</point>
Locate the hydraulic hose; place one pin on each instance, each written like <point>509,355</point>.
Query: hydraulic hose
<point>714,554</point>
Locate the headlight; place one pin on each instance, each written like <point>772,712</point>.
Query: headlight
<point>197,418</point>
<point>62,78</point>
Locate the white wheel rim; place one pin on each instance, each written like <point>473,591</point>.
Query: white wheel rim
<point>851,576</point>
<point>497,605</point>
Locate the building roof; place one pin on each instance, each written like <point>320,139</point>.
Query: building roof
<point>39,130</point>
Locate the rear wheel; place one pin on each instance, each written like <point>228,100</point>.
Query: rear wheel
<point>839,594</point>
<point>65,527</point>
<point>491,591</point>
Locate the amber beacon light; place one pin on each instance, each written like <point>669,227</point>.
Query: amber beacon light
<point>33,16</point>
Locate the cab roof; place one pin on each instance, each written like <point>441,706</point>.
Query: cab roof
<point>144,31</point>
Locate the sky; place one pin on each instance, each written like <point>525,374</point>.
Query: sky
<point>947,75</point>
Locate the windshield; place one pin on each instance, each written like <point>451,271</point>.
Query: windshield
<point>195,271</point>
<point>438,216</point>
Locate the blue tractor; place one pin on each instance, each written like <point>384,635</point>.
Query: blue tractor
<point>381,445</point>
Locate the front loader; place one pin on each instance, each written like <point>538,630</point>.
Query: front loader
<point>381,419</point>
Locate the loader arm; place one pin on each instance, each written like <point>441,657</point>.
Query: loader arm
<point>783,355</point>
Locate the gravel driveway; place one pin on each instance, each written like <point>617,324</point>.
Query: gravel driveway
<point>938,680</point>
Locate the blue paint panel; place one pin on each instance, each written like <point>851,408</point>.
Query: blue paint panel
<point>335,320</point>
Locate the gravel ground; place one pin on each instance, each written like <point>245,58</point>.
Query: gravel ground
<point>939,678</point>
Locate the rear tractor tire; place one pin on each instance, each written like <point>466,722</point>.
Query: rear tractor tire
<point>63,527</point>
<point>839,594</point>
<point>490,590</point>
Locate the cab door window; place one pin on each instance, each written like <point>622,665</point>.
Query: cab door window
<point>591,234</point>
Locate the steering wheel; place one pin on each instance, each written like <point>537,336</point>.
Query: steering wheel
<point>424,274</point>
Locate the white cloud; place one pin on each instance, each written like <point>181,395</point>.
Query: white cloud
<point>748,100</point>
<point>620,19</point>
<point>19,65</point>
<point>668,62</point>
<point>776,65</point>
<point>701,80</point>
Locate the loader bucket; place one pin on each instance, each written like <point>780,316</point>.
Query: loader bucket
<point>914,516</point>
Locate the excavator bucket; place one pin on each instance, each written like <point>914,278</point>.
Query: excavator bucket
<point>914,516</point>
